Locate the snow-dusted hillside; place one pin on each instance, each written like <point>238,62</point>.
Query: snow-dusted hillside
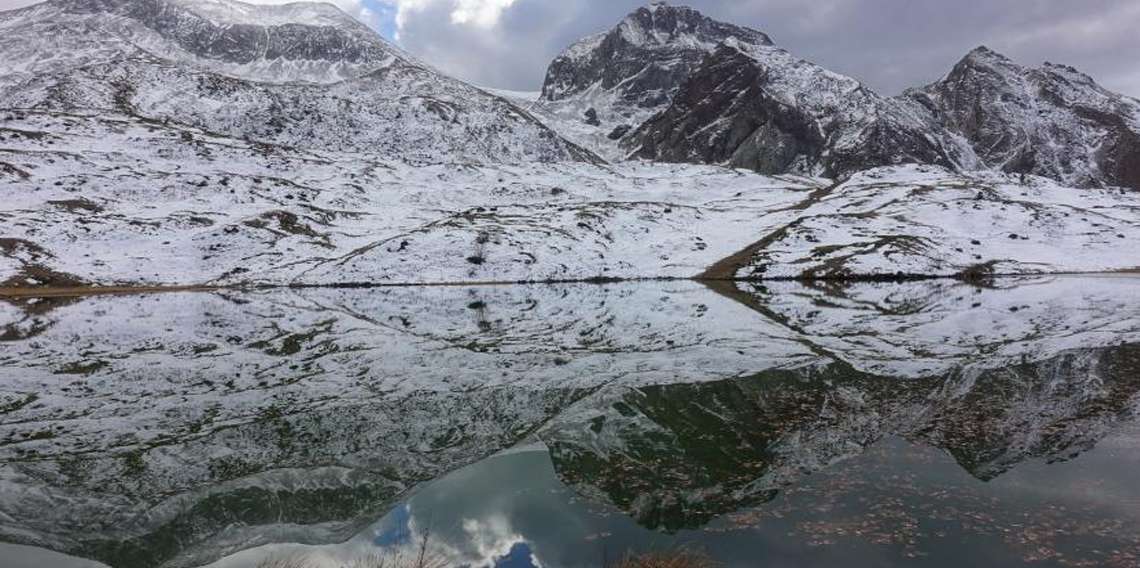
<point>308,42</point>
<point>925,221</point>
<point>299,75</point>
<point>119,200</point>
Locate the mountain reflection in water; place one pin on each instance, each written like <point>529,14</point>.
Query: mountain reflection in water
<point>925,424</point>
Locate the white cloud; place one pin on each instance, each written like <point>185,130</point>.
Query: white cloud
<point>482,13</point>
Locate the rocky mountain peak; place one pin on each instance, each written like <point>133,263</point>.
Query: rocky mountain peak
<point>982,53</point>
<point>640,62</point>
<point>1053,121</point>
<point>761,108</point>
<point>665,25</point>
<point>985,60</point>
<point>608,84</point>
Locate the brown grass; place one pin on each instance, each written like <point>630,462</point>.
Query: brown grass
<point>678,559</point>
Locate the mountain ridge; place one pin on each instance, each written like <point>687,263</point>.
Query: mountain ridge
<point>340,87</point>
<point>761,108</point>
<point>731,113</point>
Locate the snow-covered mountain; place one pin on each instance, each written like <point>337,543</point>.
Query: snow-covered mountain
<point>670,84</point>
<point>761,108</point>
<point>606,85</point>
<point>1053,121</point>
<point>142,143</point>
<point>303,75</point>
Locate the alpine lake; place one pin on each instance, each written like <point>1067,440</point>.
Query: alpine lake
<point>918,424</point>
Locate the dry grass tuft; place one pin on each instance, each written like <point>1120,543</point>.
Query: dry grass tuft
<point>678,559</point>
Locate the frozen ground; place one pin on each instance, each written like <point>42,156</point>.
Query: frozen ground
<point>99,200</point>
<point>108,201</point>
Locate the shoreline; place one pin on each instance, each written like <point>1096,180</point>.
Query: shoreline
<point>34,292</point>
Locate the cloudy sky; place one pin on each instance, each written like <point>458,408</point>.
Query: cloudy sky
<point>888,44</point>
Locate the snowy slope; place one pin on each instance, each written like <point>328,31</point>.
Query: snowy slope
<point>921,220</point>
<point>307,76</point>
<point>295,42</point>
<point>120,200</point>
<point>101,200</point>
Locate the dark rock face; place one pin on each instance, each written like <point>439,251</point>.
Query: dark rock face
<point>645,58</point>
<point>1052,121</point>
<point>763,109</point>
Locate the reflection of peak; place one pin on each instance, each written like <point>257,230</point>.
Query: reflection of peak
<point>677,457</point>
<point>1052,410</point>
<point>304,475</point>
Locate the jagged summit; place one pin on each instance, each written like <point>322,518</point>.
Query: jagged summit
<point>1053,121</point>
<point>644,57</point>
<point>759,107</point>
<point>606,85</point>
<point>984,51</point>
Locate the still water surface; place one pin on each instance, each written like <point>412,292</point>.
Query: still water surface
<point>921,424</point>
